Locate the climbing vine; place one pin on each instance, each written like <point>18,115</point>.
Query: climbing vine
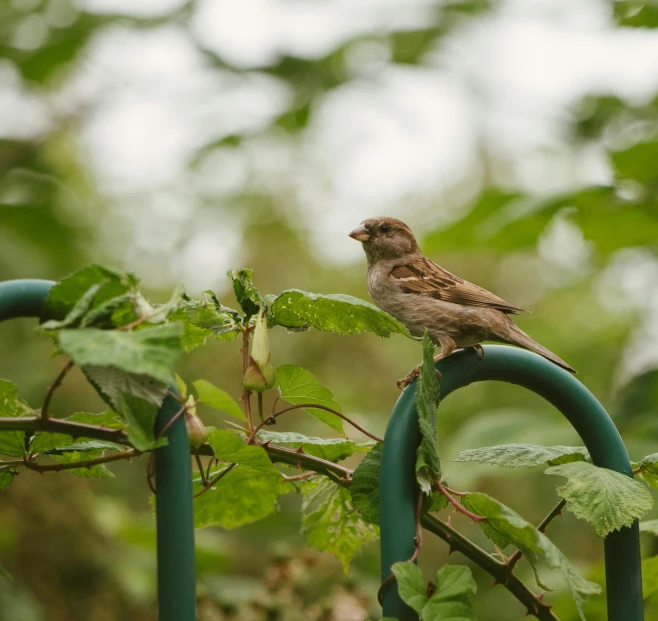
<point>128,349</point>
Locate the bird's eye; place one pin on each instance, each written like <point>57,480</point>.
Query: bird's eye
<point>385,228</point>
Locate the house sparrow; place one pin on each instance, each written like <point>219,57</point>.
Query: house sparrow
<point>424,297</point>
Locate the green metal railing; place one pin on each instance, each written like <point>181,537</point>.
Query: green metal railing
<point>173,477</point>
<point>398,488</point>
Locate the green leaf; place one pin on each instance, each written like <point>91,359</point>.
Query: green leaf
<point>140,416</point>
<point>65,294</point>
<point>12,406</point>
<point>217,398</point>
<point>606,499</point>
<point>365,485</point>
<point>649,469</point>
<point>151,351</point>
<point>299,386</point>
<point>111,383</point>
<point>428,464</point>
<point>411,584</point>
<point>109,419</point>
<point>6,477</point>
<point>161,312</point>
<point>102,315</point>
<point>649,577</point>
<point>228,446</point>
<point>181,386</point>
<point>649,526</point>
<point>242,496</point>
<point>342,314</point>
<point>451,599</point>
<point>330,523</point>
<point>248,297</point>
<point>504,526</point>
<point>99,471</point>
<point>331,449</point>
<point>524,455</point>
<point>78,310</point>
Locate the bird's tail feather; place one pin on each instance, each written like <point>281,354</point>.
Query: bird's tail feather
<point>516,336</point>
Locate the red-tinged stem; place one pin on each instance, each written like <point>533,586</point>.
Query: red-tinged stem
<point>82,464</point>
<point>172,420</point>
<point>457,505</point>
<point>270,420</point>
<point>299,477</point>
<point>202,471</point>
<point>45,409</point>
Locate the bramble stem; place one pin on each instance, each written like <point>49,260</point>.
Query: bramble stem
<point>82,464</point>
<point>260,406</point>
<point>270,419</point>
<point>209,484</point>
<point>498,570</point>
<point>202,470</point>
<point>45,413</point>
<point>555,511</point>
<point>58,425</point>
<point>458,506</point>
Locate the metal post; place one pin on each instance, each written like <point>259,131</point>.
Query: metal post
<point>569,396</point>
<point>173,471</point>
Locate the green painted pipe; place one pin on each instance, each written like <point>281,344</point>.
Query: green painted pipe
<point>398,487</point>
<point>174,517</point>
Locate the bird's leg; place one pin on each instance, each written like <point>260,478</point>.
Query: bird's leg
<point>447,347</point>
<point>478,348</point>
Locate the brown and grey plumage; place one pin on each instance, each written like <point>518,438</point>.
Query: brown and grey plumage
<point>425,297</point>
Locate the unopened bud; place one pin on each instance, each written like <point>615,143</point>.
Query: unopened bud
<point>196,430</point>
<point>260,373</point>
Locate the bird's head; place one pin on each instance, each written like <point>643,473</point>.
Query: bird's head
<point>385,238</point>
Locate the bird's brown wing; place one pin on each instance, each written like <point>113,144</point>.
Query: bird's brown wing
<point>424,277</point>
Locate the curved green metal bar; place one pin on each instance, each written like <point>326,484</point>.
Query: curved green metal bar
<point>398,487</point>
<point>173,471</point>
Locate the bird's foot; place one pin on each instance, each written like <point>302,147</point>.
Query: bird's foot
<point>478,348</point>
<point>410,377</point>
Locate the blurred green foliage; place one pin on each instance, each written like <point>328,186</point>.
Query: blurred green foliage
<point>82,549</point>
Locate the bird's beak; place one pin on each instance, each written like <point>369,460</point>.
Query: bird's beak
<point>360,234</point>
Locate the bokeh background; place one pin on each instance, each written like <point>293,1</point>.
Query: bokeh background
<point>178,139</point>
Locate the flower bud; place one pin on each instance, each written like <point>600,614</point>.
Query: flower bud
<point>196,430</point>
<point>260,373</point>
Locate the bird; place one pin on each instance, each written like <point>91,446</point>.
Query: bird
<point>424,297</point>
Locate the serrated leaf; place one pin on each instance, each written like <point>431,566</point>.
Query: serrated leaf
<point>504,526</point>
<point>342,314</point>
<point>217,398</point>
<point>78,310</point>
<point>428,463</point>
<point>161,312</point>
<point>63,296</point>
<point>330,523</point>
<point>111,383</point>
<point>452,597</point>
<point>109,419</point>
<point>524,455</point>
<point>6,477</point>
<point>98,471</point>
<point>12,406</point>
<point>140,416</point>
<point>606,499</point>
<point>299,386</point>
<point>151,351</point>
<point>247,295</point>
<point>649,577</point>
<point>365,485</point>
<point>649,526</point>
<point>242,496</point>
<point>229,447</point>
<point>104,312</point>
<point>331,449</point>
<point>648,469</point>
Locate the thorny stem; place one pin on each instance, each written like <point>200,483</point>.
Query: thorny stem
<point>81,464</point>
<point>495,568</point>
<point>458,506</point>
<point>51,390</point>
<point>209,484</point>
<point>555,511</point>
<point>275,415</point>
<point>173,419</point>
<point>58,425</point>
<point>298,477</point>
